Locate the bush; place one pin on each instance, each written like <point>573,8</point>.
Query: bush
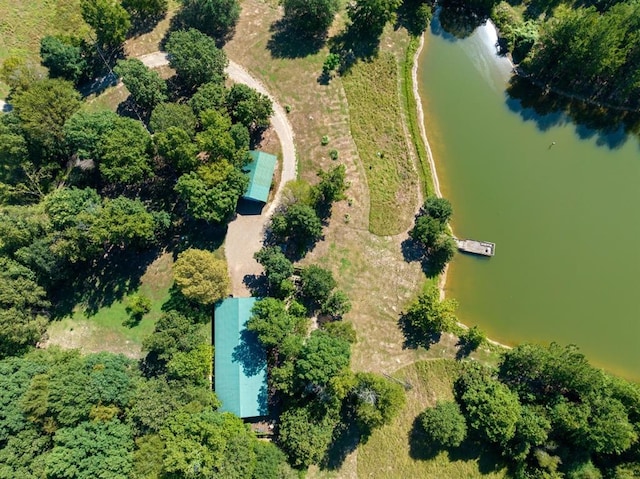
<point>137,306</point>
<point>444,424</point>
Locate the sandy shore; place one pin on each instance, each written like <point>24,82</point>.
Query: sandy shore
<point>432,165</point>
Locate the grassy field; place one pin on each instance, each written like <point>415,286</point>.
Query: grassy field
<point>377,128</point>
<point>396,450</point>
<point>24,22</point>
<point>105,330</point>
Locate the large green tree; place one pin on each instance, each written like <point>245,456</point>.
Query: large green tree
<point>201,276</point>
<point>277,270</point>
<point>370,16</point>
<point>376,401</point>
<point>63,59</point>
<point>23,308</point>
<point>90,450</point>
<point>299,225</point>
<point>322,358</point>
<point>43,110</point>
<point>311,17</point>
<point>280,331</point>
<point>109,20</point>
<point>213,17</point>
<point>212,191</point>
<point>125,153</point>
<point>84,131</point>
<point>145,85</point>
<point>249,107</point>
<point>444,424</point>
<point>196,58</point>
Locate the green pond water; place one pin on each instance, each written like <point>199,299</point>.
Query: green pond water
<point>564,216</point>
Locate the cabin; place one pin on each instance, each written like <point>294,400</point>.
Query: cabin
<point>240,370</point>
<point>260,172</point>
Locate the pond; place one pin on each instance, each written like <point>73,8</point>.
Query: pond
<point>559,200</point>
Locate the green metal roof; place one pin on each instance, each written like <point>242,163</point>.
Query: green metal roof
<point>240,360</point>
<point>260,172</point>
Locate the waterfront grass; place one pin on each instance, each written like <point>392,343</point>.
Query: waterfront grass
<point>396,450</point>
<point>372,89</point>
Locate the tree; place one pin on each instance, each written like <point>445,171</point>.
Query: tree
<point>370,16</point>
<point>472,338</point>
<point>492,410</point>
<point>125,153</point>
<point>304,436</point>
<point>271,462</point>
<point>330,189</point>
<point>277,269</point>
<point>429,315</point>
<point>176,146</point>
<point>212,191</point>
<point>317,285</point>
<point>444,424</point>
<point>532,430</point>
<point>213,17</point>
<point>376,401</point>
<point>216,139</point>
<point>173,333</point>
<point>249,107</point>
<point>90,450</point>
<point>311,17</point>
<point>336,305</point>
<point>322,358</point>
<point>63,59</point>
<point>173,115</point>
<point>43,109</point>
<point>201,276</point>
<point>84,131</point>
<point>145,85</point>
<point>19,72</point>
<point>145,8</point>
<point>195,58</point>
<point>276,326</point>
<point>438,208</point>
<point>109,21</point>
<point>23,308</point>
<point>210,96</point>
<point>192,367</point>
<point>341,329</point>
<point>299,224</point>
<point>205,442</point>
<point>137,306</point>
<point>122,221</point>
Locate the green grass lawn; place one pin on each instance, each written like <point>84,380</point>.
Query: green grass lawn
<point>396,450</point>
<point>372,88</point>
<point>106,330</point>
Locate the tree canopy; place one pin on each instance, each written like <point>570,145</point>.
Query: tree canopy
<point>201,276</point>
<point>196,58</point>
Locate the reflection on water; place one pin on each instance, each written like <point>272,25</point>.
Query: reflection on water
<point>558,198</point>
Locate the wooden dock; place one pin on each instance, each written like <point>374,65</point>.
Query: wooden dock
<point>483,248</point>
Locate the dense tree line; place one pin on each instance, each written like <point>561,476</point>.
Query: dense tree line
<point>547,411</point>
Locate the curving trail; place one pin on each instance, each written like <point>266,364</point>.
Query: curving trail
<point>246,232</point>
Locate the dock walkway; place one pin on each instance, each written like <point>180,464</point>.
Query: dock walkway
<point>483,248</point>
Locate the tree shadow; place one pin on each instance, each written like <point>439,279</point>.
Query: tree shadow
<point>415,337</point>
<point>257,285</point>
<point>287,41</point>
<point>354,45</point>
<point>100,283</point>
<point>250,354</point>
<point>457,20</point>
<point>347,437</point>
<point>181,21</point>
<point>407,17</point>
<point>195,312</point>
<point>464,349</point>
<point>413,251</point>
<point>144,23</point>
<point>610,128</point>
<point>420,448</point>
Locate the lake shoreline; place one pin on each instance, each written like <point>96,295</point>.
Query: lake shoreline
<point>442,281</point>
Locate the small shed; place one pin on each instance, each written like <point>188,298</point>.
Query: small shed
<point>240,360</point>
<point>260,172</point>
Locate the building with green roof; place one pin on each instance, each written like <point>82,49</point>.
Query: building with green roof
<point>260,172</point>
<point>240,360</point>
